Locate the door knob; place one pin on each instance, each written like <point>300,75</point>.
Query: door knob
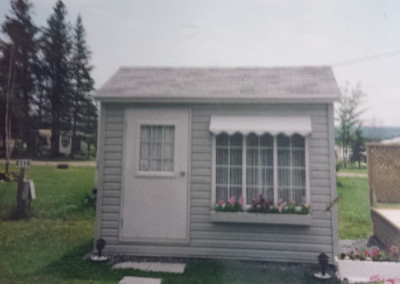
<point>182,173</point>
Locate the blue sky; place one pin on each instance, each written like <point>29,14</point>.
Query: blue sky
<point>248,33</point>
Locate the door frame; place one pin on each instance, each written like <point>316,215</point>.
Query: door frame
<point>188,173</point>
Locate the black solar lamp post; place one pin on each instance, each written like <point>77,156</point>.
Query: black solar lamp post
<point>323,261</point>
<point>100,244</point>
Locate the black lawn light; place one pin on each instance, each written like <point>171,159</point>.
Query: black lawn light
<point>323,260</point>
<point>100,244</point>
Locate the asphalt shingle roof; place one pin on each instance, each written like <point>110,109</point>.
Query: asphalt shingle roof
<point>221,84</point>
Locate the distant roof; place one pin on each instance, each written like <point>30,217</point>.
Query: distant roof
<point>244,84</point>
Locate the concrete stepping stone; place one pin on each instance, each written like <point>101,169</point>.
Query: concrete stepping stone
<point>153,266</point>
<point>139,280</point>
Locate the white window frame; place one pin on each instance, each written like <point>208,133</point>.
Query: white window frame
<point>244,168</point>
<point>163,142</point>
<point>155,174</point>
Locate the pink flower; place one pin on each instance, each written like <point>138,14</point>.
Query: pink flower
<point>280,200</point>
<point>375,278</point>
<point>280,206</point>
<point>240,201</point>
<point>222,203</point>
<point>292,201</point>
<point>374,252</point>
<point>394,250</point>
<point>232,200</point>
<point>366,253</point>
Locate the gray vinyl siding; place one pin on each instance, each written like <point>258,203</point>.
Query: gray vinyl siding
<point>219,240</point>
<point>112,172</point>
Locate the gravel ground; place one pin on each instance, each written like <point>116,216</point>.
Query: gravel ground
<point>349,245</point>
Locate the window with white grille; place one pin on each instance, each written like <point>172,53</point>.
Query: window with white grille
<point>250,165</point>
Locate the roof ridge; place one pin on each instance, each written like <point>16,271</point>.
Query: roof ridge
<point>225,67</point>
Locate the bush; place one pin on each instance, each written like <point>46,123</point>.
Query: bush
<point>89,200</point>
<point>339,165</point>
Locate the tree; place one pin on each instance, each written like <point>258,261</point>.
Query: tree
<point>56,46</point>
<point>4,73</point>
<point>21,32</point>
<point>83,108</point>
<point>349,116</point>
<point>357,147</point>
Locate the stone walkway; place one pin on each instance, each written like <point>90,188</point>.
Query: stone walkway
<point>139,280</point>
<point>148,266</point>
<point>152,266</point>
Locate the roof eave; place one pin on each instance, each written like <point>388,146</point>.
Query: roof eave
<point>217,100</point>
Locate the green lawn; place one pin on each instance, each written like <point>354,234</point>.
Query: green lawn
<point>362,170</point>
<point>354,210</point>
<point>60,193</point>
<point>49,247</point>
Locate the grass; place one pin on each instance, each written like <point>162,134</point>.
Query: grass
<point>49,247</point>
<point>59,193</point>
<point>354,170</point>
<point>354,210</point>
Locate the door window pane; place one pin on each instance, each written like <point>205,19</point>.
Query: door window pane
<point>157,148</point>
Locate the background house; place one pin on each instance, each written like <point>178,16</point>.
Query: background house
<point>44,136</point>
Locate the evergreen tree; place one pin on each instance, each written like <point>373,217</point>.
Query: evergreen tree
<point>358,147</point>
<point>349,117</point>
<point>56,47</point>
<point>4,58</point>
<point>21,32</point>
<point>83,109</point>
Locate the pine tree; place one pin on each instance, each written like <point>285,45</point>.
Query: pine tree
<point>4,64</point>
<point>56,47</point>
<point>358,147</point>
<point>83,108</point>
<point>21,33</point>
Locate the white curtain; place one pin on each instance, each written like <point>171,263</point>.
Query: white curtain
<point>228,166</point>
<point>157,148</point>
<point>259,167</point>
<point>291,168</point>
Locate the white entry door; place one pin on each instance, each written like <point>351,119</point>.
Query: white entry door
<point>155,198</point>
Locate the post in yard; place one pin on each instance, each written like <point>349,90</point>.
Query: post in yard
<point>21,203</point>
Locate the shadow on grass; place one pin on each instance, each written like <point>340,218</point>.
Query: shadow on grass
<point>73,268</point>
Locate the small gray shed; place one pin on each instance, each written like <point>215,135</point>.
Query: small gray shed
<point>175,141</point>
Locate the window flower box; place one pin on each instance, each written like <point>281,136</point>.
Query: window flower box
<point>363,271</point>
<point>261,218</point>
